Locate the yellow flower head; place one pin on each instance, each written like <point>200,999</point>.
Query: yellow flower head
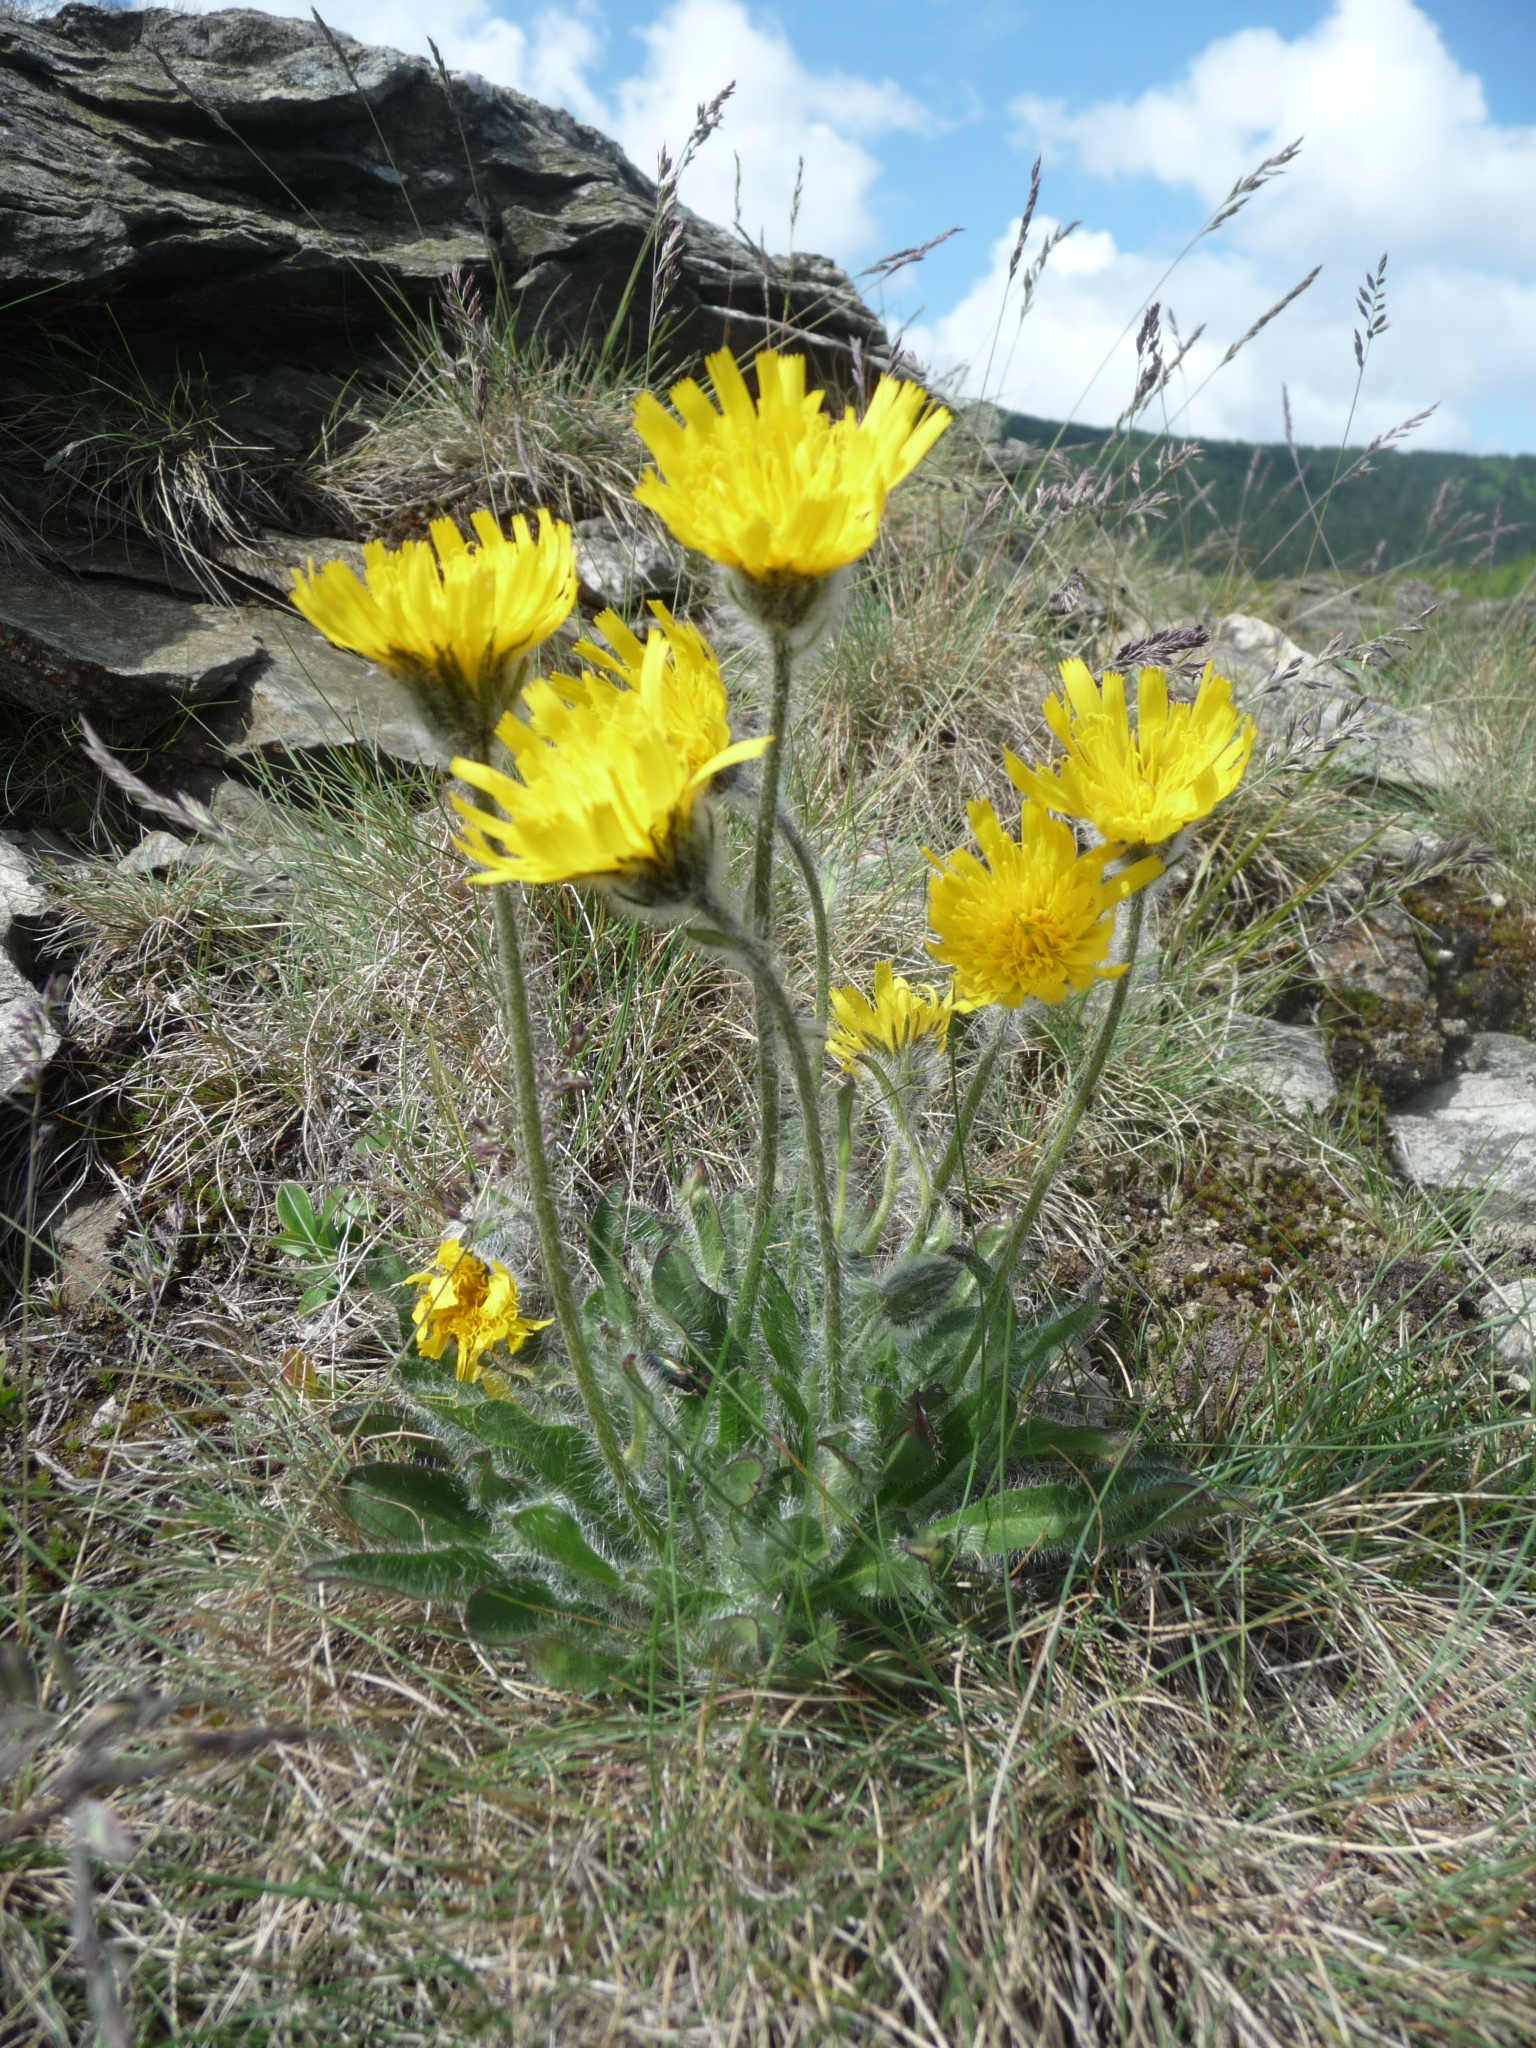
<point>1183,759</point>
<point>469,1302</point>
<point>450,618</point>
<point>898,1017</point>
<point>611,766</point>
<point>777,490</point>
<point>1035,920</point>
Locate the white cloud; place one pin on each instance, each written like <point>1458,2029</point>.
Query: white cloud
<point>1399,153</point>
<point>548,60</point>
<point>1397,139</point>
<point>780,113</point>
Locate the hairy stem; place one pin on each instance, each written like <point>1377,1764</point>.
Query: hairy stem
<point>805,860</point>
<point>845,1103</point>
<point>760,918</point>
<point>944,1172</point>
<point>886,1204</point>
<point>904,1131</point>
<point>760,965</point>
<point>1066,1130</point>
<point>557,1274</point>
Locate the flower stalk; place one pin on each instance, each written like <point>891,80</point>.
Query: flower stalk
<point>1061,1139</point>
<point>760,911</point>
<point>776,1004</point>
<point>805,860</point>
<point>970,1103</point>
<point>525,1088</point>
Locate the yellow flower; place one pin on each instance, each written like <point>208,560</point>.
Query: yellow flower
<point>1140,791</point>
<point>1036,920</point>
<point>777,490</point>
<point>451,618</point>
<point>469,1302</point>
<point>693,697</point>
<point>898,1017</point>
<point>611,768</point>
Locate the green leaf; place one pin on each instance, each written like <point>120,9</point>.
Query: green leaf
<point>1025,1518</point>
<point>779,1320</point>
<point>558,1453</point>
<point>296,1213</point>
<point>966,1430</point>
<point>388,1273</point>
<point>1075,1446</point>
<point>916,1290</point>
<point>427,1377</point>
<point>739,1408</point>
<point>736,1639</point>
<point>416,1574</point>
<point>936,1350</point>
<point>555,1533</point>
<point>703,1316</point>
<point>869,1571</point>
<point>1134,1504</point>
<point>742,1480</point>
<point>605,1237</point>
<point>419,1505</point>
<point>1034,1343</point>
<point>709,1232</point>
<point>795,1409</point>
<point>565,1665</point>
<point>612,1302</point>
<point>509,1612</point>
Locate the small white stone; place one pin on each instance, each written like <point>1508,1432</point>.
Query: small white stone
<point>104,1421</point>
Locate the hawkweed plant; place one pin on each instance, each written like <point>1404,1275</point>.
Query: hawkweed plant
<point>759,1441</point>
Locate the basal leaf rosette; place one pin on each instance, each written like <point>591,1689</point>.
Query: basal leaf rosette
<point>452,619</point>
<point>1032,920</point>
<point>891,1023</point>
<point>614,773</point>
<point>775,490</point>
<point>1139,788</point>
<point>471,1303</point>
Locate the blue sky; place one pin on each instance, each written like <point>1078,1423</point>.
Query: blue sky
<point>1419,118</point>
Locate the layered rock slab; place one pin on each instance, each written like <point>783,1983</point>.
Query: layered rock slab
<point>1476,1132</point>
<point>250,187</point>
<point>138,662</point>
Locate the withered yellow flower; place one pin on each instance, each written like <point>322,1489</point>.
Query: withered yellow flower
<point>897,1017</point>
<point>611,769</point>
<point>1142,788</point>
<point>469,1302</point>
<point>451,618</point>
<point>1036,920</point>
<point>778,490</point>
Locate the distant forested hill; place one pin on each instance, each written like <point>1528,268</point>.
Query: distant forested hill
<point>1420,509</point>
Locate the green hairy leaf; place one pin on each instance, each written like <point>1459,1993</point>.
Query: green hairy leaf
<point>420,1505</point>
<point>556,1534</point>
<point>445,1574</point>
<point>703,1316</point>
<point>916,1290</point>
<point>509,1612</point>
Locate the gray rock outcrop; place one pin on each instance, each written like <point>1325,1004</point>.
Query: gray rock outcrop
<point>136,660</point>
<point>230,191</point>
<point>1286,1063</point>
<point>1509,1309</point>
<point>1476,1132</point>
<point>1295,698</point>
<point>27,1038</point>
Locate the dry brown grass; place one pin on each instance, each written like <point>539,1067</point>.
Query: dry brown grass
<point>1263,1791</point>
